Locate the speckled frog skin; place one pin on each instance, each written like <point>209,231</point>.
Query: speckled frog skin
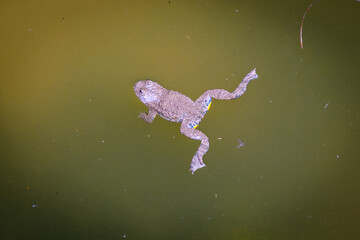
<point>177,107</point>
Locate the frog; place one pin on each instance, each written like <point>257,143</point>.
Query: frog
<point>177,107</point>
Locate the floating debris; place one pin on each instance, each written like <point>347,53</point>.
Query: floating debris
<point>297,131</point>
<point>302,22</point>
<point>241,144</point>
<point>326,105</point>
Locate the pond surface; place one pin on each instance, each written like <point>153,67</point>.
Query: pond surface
<point>77,163</point>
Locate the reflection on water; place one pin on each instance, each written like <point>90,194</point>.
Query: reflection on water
<point>76,162</point>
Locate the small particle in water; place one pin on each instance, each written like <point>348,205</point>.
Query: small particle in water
<point>309,217</point>
<point>34,205</point>
<point>29,29</point>
<point>102,141</point>
<point>188,37</point>
<point>215,195</point>
<point>124,236</point>
<point>219,138</point>
<point>338,156</point>
<point>237,10</point>
<point>326,105</point>
<point>27,187</point>
<point>241,144</point>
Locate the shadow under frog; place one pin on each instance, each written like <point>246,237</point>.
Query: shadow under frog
<point>177,107</point>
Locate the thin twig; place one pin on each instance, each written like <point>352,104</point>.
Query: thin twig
<point>302,22</point>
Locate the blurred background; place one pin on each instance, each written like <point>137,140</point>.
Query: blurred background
<point>77,163</point>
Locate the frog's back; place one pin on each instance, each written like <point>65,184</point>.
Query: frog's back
<point>176,106</point>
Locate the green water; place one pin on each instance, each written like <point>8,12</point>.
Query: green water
<point>77,163</point>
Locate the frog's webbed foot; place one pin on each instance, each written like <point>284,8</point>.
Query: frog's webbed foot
<point>196,163</point>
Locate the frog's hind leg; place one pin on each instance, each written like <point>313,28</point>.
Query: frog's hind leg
<point>188,129</point>
<point>222,94</point>
<point>204,101</point>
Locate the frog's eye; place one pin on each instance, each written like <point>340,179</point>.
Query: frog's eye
<point>140,91</point>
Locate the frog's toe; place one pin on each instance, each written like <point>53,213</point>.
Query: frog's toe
<point>252,75</point>
<point>196,163</point>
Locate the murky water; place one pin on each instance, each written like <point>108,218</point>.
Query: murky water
<point>77,163</point>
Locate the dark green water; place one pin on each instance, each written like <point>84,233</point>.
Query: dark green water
<point>77,163</point>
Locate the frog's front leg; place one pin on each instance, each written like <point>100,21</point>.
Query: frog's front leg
<point>188,130</point>
<point>148,117</point>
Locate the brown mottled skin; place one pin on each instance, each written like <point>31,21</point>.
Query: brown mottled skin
<point>177,107</point>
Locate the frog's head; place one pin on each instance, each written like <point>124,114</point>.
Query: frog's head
<point>148,91</point>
